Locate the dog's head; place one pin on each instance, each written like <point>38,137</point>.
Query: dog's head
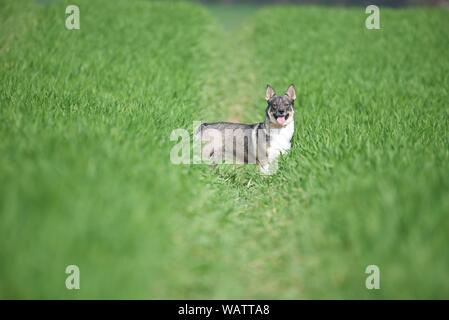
<point>280,109</point>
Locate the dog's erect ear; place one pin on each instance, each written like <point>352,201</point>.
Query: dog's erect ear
<point>291,92</point>
<point>269,93</point>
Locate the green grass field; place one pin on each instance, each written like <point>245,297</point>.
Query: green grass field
<point>86,177</point>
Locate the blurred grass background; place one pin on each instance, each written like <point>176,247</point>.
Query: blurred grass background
<point>86,178</point>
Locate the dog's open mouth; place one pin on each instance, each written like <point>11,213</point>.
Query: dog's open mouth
<point>281,119</point>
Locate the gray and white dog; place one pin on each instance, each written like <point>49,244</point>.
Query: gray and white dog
<point>259,143</point>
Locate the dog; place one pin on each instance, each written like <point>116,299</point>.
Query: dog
<point>260,143</point>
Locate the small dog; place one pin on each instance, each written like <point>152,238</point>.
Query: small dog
<point>259,143</point>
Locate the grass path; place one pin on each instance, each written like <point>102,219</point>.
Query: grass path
<point>252,244</point>
<point>344,199</point>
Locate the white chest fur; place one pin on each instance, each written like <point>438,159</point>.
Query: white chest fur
<point>280,140</point>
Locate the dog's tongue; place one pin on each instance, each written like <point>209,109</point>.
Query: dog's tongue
<point>281,120</point>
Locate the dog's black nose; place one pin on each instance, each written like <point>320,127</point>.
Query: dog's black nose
<point>280,112</point>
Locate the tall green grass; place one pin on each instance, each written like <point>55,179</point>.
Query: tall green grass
<point>86,177</point>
